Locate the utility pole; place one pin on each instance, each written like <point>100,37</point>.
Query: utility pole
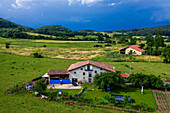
<point>130,67</point>
<point>150,55</point>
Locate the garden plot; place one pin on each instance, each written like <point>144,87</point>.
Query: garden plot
<point>162,100</point>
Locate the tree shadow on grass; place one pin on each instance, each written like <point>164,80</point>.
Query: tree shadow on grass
<point>126,89</point>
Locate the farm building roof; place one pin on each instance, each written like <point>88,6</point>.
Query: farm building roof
<point>136,47</point>
<point>58,72</point>
<point>124,75</point>
<point>95,63</point>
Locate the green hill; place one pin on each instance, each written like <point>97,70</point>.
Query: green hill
<point>51,29</point>
<point>8,24</point>
<point>162,30</point>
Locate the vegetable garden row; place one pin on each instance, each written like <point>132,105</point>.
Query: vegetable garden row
<point>162,100</point>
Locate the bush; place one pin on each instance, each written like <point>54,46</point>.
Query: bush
<point>7,45</point>
<point>37,55</point>
<point>40,86</point>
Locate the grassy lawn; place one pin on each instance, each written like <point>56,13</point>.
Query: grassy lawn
<point>15,69</point>
<point>97,96</point>
<point>134,93</point>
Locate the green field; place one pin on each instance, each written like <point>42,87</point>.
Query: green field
<point>17,69</point>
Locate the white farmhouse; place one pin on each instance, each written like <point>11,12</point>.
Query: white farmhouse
<point>136,50</point>
<point>86,70</point>
<point>81,72</point>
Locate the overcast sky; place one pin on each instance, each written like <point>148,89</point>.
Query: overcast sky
<point>87,14</point>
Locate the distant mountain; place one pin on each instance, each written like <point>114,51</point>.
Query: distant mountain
<point>162,30</point>
<point>8,24</point>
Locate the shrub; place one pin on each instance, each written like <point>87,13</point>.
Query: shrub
<point>7,45</point>
<point>40,86</point>
<point>37,55</point>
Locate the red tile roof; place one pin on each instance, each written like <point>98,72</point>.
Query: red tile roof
<point>58,72</point>
<point>124,75</point>
<point>136,47</point>
<point>95,63</point>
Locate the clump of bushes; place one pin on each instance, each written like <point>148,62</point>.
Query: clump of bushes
<point>37,55</point>
<point>97,45</point>
<point>149,81</point>
<point>7,45</point>
<point>40,86</point>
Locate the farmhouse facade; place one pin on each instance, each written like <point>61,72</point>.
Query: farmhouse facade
<point>82,72</point>
<point>135,49</point>
<point>86,70</point>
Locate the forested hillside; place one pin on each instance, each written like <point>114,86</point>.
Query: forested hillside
<point>162,30</point>
<point>8,24</point>
<point>13,30</point>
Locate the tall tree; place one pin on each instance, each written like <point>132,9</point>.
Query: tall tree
<point>108,79</point>
<point>166,54</point>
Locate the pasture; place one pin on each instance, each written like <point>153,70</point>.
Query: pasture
<point>79,50</point>
<point>16,69</point>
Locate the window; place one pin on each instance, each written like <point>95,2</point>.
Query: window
<point>89,81</point>
<point>101,68</point>
<point>95,71</point>
<point>90,75</point>
<point>83,77</point>
<point>84,73</point>
<point>74,72</point>
<point>88,67</point>
<point>81,68</point>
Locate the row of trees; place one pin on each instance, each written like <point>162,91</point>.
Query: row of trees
<point>113,80</point>
<point>15,33</point>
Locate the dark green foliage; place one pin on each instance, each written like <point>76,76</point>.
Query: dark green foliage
<point>8,24</point>
<point>121,40</point>
<point>52,29</point>
<point>7,45</point>
<point>132,41</point>
<point>141,45</point>
<point>100,38</point>
<point>168,40</point>
<point>159,41</point>
<point>108,79</point>
<point>126,100</point>
<point>150,81</point>
<point>40,86</point>
<point>37,55</point>
<point>162,30</point>
<point>149,40</point>
<point>110,99</point>
<point>154,45</point>
<point>166,54</point>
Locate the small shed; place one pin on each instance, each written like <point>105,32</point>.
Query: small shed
<point>29,86</point>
